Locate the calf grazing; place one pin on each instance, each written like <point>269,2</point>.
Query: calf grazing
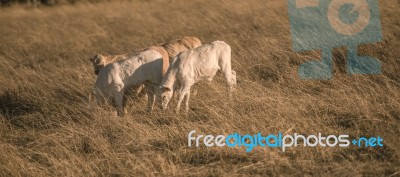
<point>100,61</point>
<point>194,65</point>
<point>116,78</point>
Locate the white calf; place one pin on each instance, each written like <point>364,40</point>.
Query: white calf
<point>117,77</point>
<point>194,65</point>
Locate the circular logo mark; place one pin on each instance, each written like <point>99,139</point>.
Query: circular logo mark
<point>360,6</point>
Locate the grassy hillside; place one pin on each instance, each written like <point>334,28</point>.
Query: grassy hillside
<point>49,124</point>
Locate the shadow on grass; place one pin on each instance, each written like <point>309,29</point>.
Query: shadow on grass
<point>13,105</point>
<point>23,112</point>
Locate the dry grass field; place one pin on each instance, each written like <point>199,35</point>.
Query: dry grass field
<point>50,125</point>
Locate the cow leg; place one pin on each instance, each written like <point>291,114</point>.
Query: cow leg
<point>119,103</point>
<point>175,96</point>
<point>230,78</point>
<point>226,68</point>
<point>150,96</point>
<point>151,100</point>
<point>176,93</point>
<point>233,84</point>
<point>184,91</point>
<point>178,104</point>
<point>187,102</point>
<point>140,91</point>
<point>99,97</point>
<point>118,92</point>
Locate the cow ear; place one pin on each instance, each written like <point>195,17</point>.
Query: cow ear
<point>95,59</point>
<point>98,58</point>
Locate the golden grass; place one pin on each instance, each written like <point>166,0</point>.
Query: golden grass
<point>50,126</point>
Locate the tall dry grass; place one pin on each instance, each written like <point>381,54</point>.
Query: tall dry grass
<point>49,126</point>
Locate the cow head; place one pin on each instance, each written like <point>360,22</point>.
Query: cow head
<point>98,61</point>
<point>165,95</point>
